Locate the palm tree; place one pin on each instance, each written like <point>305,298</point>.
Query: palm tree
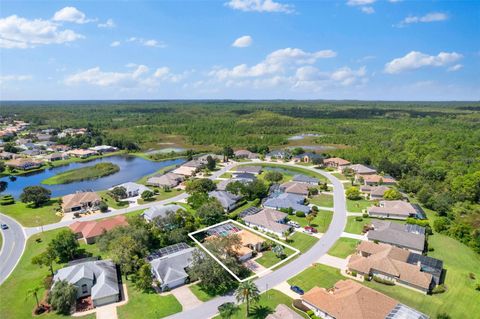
<point>247,291</point>
<point>286,234</point>
<point>33,292</point>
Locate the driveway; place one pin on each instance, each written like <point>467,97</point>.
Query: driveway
<point>186,297</point>
<point>13,245</point>
<point>107,312</point>
<point>354,236</point>
<point>333,261</point>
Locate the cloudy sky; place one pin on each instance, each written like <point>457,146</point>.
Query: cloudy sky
<point>245,49</point>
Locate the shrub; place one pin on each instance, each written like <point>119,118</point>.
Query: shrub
<point>431,249</point>
<point>314,208</point>
<point>7,200</point>
<point>353,273</point>
<point>383,281</point>
<point>443,315</point>
<point>353,193</point>
<point>472,276</point>
<point>477,287</point>
<point>309,313</point>
<point>103,207</point>
<point>359,218</point>
<point>300,214</point>
<point>365,215</point>
<point>440,289</point>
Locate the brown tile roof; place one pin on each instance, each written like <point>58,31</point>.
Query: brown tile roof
<point>350,300</point>
<point>296,188</point>
<point>397,207</point>
<point>73,200</point>
<point>337,161</point>
<point>390,260</point>
<point>22,161</point>
<point>91,229</point>
<point>374,178</point>
<point>268,218</point>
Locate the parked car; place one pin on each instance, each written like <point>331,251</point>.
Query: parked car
<point>293,224</point>
<point>4,226</point>
<point>297,289</point>
<point>311,229</point>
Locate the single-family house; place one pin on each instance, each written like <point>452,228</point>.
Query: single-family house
<point>160,211</point>
<point>169,265</point>
<point>97,279</point>
<point>24,163</point>
<point>81,153</point>
<point>396,209</point>
<point>167,180</point>
<point>246,154</point>
<point>305,179</point>
<point>279,154</point>
<point>103,149</point>
<point>375,192</point>
<point>132,189</point>
<point>7,155</point>
<point>351,300</point>
<point>80,202</point>
<point>248,169</point>
<point>33,152</point>
<point>56,157</point>
<point>361,169</point>
<point>308,158</point>
<point>228,200</point>
<point>296,188</point>
<point>43,137</point>
<point>244,176</point>
<point>284,312</point>
<point>91,230</point>
<point>336,162</point>
<point>374,179</point>
<point>222,185</point>
<point>287,201</point>
<point>185,171</point>
<point>391,263</point>
<point>249,242</point>
<point>58,148</point>
<point>268,220</point>
<point>408,236</point>
<point>195,163</point>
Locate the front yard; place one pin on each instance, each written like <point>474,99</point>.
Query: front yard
<point>162,195</point>
<point>356,227</point>
<point>316,275</point>
<point>357,206</point>
<point>320,222</point>
<point>323,200</point>
<point>28,216</point>
<point>343,247</point>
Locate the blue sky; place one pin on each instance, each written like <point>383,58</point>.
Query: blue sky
<point>245,49</point>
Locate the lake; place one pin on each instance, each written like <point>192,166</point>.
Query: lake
<point>132,168</point>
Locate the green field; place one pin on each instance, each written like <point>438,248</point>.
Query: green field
<point>316,275</point>
<point>82,174</point>
<point>265,306</point>
<point>29,216</point>
<point>321,222</point>
<point>302,242</point>
<point>343,247</point>
<point>357,206</point>
<point>323,200</point>
<point>147,305</point>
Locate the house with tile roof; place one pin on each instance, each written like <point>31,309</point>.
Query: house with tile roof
<point>133,189</point>
<point>336,162</point>
<point>166,180</point>
<point>361,169</point>
<point>268,220</point>
<point>375,192</point>
<point>80,202</point>
<point>97,279</point>
<point>300,178</point>
<point>91,230</point>
<point>390,263</point>
<point>396,209</point>
<point>24,163</point>
<point>374,179</point>
<point>296,188</point>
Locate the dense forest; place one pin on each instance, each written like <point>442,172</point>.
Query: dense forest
<point>432,148</point>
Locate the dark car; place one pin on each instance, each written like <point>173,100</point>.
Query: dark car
<point>4,226</point>
<point>311,229</point>
<point>297,289</point>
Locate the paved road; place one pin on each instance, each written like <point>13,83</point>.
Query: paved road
<point>14,240</point>
<point>15,237</point>
<point>209,309</point>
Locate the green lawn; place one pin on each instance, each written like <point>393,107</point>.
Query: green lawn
<point>226,175</point>
<point>321,222</point>
<point>14,304</point>
<point>238,210</point>
<point>265,306</point>
<point>343,247</point>
<point>291,170</point>
<point>200,293</point>
<point>302,242</point>
<point>340,176</point>
<point>269,258</point>
<point>356,227</point>
<point>82,174</point>
<point>324,200</point>
<point>29,216</point>
<point>162,195</point>
<point>357,206</point>
<point>316,275</point>
<point>110,201</point>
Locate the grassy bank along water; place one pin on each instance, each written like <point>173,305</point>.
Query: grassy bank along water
<point>81,174</point>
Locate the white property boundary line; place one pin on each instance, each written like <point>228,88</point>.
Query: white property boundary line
<point>248,229</point>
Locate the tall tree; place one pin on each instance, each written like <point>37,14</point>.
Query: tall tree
<point>247,292</point>
<point>62,297</point>
<point>64,246</point>
<point>47,258</point>
<point>33,292</point>
<point>37,195</point>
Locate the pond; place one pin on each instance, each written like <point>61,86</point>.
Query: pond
<point>132,168</point>
<point>302,136</point>
<point>167,150</point>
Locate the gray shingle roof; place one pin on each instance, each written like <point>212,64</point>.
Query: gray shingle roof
<point>305,179</point>
<point>160,211</point>
<point>171,268</point>
<point>225,198</point>
<point>396,234</point>
<point>287,201</point>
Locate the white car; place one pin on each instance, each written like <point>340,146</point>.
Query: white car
<point>294,224</point>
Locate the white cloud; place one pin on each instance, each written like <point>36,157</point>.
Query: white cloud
<point>415,60</point>
<point>109,24</point>
<point>429,17</point>
<point>368,10</point>
<point>148,43</point>
<point>115,44</point>
<point>360,2</point>
<point>18,32</point>
<point>455,67</point>
<point>275,63</point>
<point>243,42</point>
<point>260,6</point>
<point>71,14</point>
<point>14,78</point>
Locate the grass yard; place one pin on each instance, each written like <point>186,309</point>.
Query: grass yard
<point>147,305</point>
<point>321,222</point>
<point>226,175</point>
<point>356,227</point>
<point>269,258</point>
<point>234,213</point>
<point>26,276</point>
<point>201,294</point>
<point>28,216</point>
<point>82,174</point>
<point>343,247</point>
<point>110,201</point>
<point>323,200</point>
<point>302,242</point>
<point>292,170</point>
<point>357,206</point>
<point>265,306</point>
<point>340,176</point>
<point>161,196</point>
<point>316,275</point>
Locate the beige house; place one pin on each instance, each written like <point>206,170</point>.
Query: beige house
<point>24,163</point>
<point>394,209</point>
<point>80,202</point>
<point>336,162</point>
<point>81,153</point>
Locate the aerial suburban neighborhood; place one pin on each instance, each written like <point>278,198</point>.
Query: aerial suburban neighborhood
<point>259,159</point>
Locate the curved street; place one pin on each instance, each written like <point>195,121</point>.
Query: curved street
<point>15,239</point>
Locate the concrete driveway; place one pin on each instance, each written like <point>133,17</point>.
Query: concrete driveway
<point>186,297</point>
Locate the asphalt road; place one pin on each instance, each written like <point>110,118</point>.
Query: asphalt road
<point>14,240</point>
<point>209,309</point>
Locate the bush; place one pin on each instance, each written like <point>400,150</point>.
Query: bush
<point>472,276</point>
<point>309,313</point>
<point>477,287</point>
<point>359,218</point>
<point>431,249</point>
<point>353,273</point>
<point>443,315</point>
<point>440,289</point>
<point>353,193</point>
<point>365,215</point>
<point>300,214</point>
<point>383,281</point>
<point>103,207</point>
<point>7,200</point>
